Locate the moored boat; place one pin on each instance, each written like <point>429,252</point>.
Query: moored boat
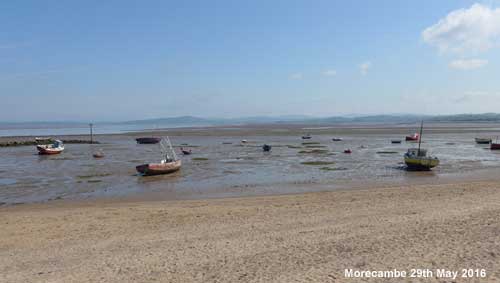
<point>185,151</point>
<point>414,137</point>
<point>306,137</point>
<point>148,140</point>
<point>337,139</point>
<point>417,158</point>
<point>55,148</point>
<point>169,164</point>
<point>164,167</point>
<point>347,150</point>
<point>483,140</point>
<point>395,141</point>
<point>495,146</point>
<point>266,147</point>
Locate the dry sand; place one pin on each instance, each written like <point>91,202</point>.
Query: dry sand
<point>291,238</point>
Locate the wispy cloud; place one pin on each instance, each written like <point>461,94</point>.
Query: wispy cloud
<point>475,29</point>
<point>330,73</point>
<point>467,64</point>
<point>296,76</point>
<point>364,67</point>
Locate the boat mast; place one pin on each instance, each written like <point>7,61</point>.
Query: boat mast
<point>420,136</point>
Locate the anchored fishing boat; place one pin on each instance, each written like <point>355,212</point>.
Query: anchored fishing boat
<point>483,140</point>
<point>148,140</point>
<point>417,158</point>
<point>169,164</point>
<point>55,148</point>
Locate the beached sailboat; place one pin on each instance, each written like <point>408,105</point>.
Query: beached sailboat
<point>169,164</point>
<point>417,158</point>
<point>54,148</point>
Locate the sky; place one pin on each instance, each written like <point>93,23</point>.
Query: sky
<point>127,60</point>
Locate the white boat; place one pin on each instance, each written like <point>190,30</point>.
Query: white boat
<point>55,148</point>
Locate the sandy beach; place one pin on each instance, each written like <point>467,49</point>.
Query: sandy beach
<point>310,237</point>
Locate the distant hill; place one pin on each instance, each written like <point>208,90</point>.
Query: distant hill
<point>193,121</point>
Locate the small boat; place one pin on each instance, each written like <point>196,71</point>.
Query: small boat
<point>244,141</point>
<point>417,158</point>
<point>148,140</point>
<point>266,147</point>
<point>185,152</point>
<point>347,150</point>
<point>169,164</point>
<point>495,146</point>
<point>337,139</point>
<point>55,148</point>
<point>414,137</point>
<point>306,137</point>
<point>98,154</point>
<point>483,140</point>
<point>395,141</point>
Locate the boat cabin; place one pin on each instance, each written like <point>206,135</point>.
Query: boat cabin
<point>417,152</point>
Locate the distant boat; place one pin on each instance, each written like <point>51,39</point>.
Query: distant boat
<point>337,139</point>
<point>306,137</point>
<point>148,140</point>
<point>395,141</point>
<point>266,147</point>
<point>495,145</point>
<point>169,164</point>
<point>98,154</point>
<point>483,140</point>
<point>244,141</point>
<point>348,151</point>
<point>185,152</point>
<point>417,158</point>
<point>414,137</point>
<point>55,148</point>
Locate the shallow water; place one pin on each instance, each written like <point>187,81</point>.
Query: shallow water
<point>233,168</point>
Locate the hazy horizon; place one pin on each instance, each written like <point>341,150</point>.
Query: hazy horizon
<point>122,61</point>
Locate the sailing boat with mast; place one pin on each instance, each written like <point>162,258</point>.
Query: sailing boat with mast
<point>169,164</point>
<point>417,158</point>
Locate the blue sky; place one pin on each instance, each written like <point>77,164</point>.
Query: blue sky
<point>120,60</point>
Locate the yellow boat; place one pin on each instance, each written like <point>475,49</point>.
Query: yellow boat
<point>417,158</point>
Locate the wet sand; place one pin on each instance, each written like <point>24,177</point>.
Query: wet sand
<point>222,166</point>
<point>309,237</point>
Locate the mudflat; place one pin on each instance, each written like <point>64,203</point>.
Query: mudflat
<point>310,237</point>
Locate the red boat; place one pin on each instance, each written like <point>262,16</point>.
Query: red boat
<point>494,146</point>
<point>149,140</point>
<point>55,148</point>
<point>159,168</point>
<point>413,137</point>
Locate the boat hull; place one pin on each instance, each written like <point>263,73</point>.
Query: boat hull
<point>151,140</point>
<point>42,150</point>
<point>483,141</point>
<point>495,146</point>
<point>159,168</point>
<point>414,163</point>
